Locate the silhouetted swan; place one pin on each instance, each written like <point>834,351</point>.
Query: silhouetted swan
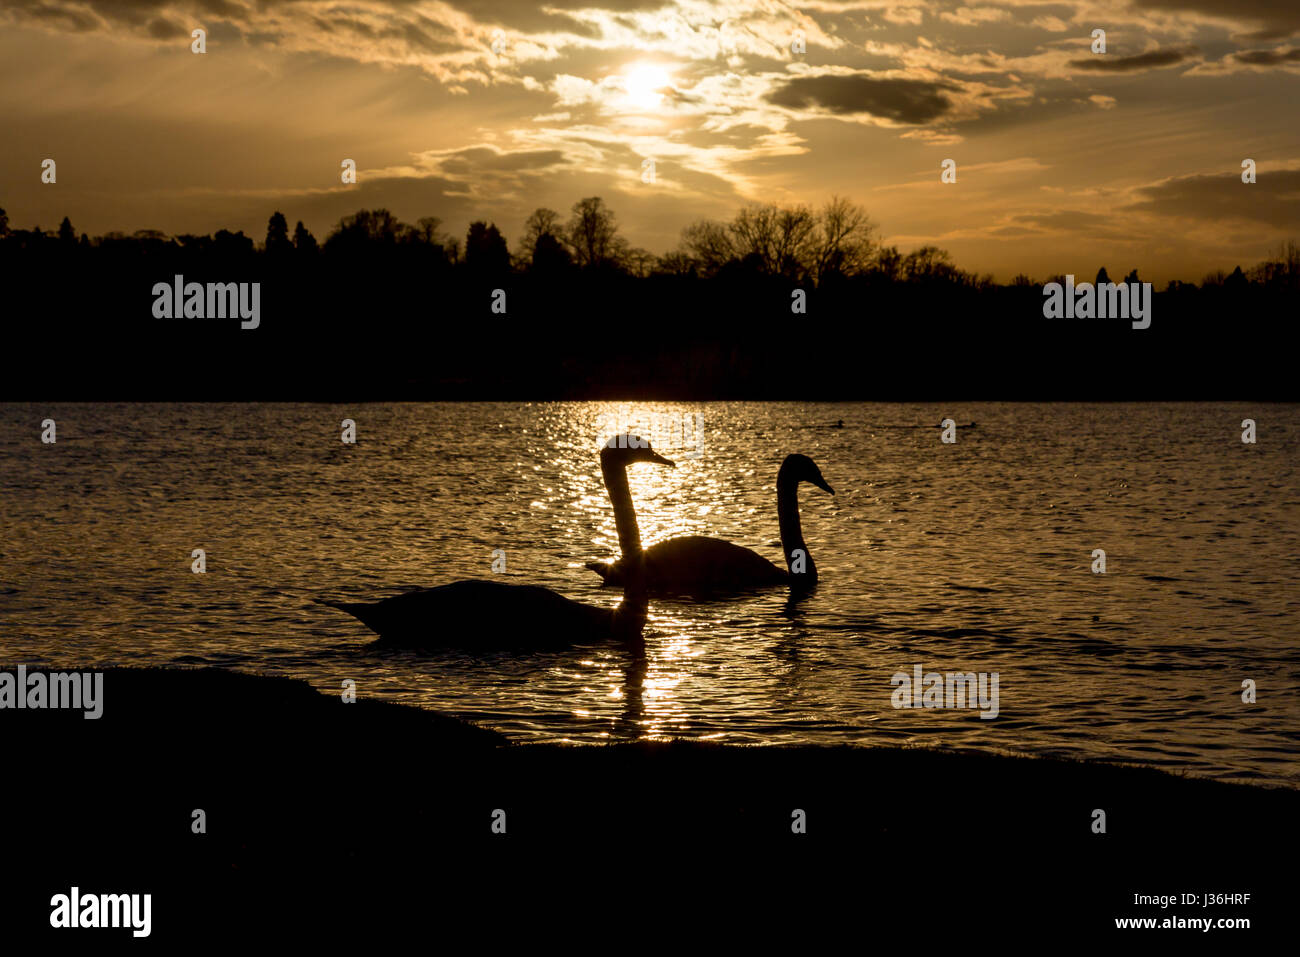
<point>695,563</point>
<point>486,613</point>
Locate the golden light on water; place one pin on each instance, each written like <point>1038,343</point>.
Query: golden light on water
<point>667,502</point>
<point>922,557</point>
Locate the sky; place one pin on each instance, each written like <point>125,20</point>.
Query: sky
<point>1066,159</point>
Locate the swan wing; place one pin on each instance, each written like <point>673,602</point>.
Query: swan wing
<point>696,562</point>
<point>479,613</point>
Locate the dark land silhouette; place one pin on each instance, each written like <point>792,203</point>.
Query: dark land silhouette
<point>332,818</point>
<point>382,309</point>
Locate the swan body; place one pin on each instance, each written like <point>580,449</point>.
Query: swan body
<point>696,563</point>
<point>482,614</point>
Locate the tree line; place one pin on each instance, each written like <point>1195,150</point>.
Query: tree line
<point>799,244</point>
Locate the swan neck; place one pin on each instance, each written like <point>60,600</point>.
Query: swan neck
<point>620,495</point>
<point>787,510</point>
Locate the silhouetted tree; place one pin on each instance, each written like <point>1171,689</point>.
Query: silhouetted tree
<point>365,228</point>
<point>277,234</point>
<point>67,234</point>
<point>929,264</point>
<point>708,243</point>
<point>550,257</point>
<point>541,222</point>
<point>888,264</point>
<point>4,223</point>
<point>226,243</point>
<point>192,243</point>
<point>843,241</point>
<point>639,262</point>
<point>1132,277</point>
<point>485,250</point>
<point>303,241</point>
<point>1281,268</point>
<point>1102,276</point>
<point>592,232</point>
<point>676,264</point>
<point>782,239</point>
<point>428,230</point>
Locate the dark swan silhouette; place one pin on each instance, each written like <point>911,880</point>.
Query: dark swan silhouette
<point>695,563</point>
<point>482,613</point>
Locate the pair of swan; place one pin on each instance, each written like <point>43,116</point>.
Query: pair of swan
<point>478,612</point>
<point>695,563</point>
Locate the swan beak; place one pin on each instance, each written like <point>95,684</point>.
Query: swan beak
<point>822,484</point>
<point>658,459</point>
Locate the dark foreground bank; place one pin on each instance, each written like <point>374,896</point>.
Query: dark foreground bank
<point>325,818</point>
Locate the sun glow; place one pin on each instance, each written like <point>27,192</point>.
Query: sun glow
<point>645,84</point>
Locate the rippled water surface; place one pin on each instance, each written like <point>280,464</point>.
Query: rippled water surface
<point>973,556</point>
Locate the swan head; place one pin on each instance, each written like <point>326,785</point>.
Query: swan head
<point>629,449</point>
<point>799,468</point>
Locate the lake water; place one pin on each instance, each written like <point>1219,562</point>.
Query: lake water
<point>974,556</point>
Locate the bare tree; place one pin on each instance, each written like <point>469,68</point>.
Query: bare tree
<point>845,239</point>
<point>887,263</point>
<point>540,222</point>
<point>781,238</point>
<point>708,243</point>
<point>677,264</point>
<point>639,262</point>
<point>929,264</point>
<point>592,233</point>
<point>428,229</point>
<point>1282,266</point>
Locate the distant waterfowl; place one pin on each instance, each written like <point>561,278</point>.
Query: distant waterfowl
<point>485,613</point>
<point>696,563</point>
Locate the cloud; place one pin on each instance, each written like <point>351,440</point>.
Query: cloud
<point>1273,200</point>
<point>1075,222</point>
<point>477,159</point>
<point>530,16</point>
<point>1267,57</point>
<point>1051,24</point>
<point>164,29</point>
<point>1151,60</point>
<point>1280,17</point>
<point>901,100</point>
<point>904,16</point>
<point>969,16</point>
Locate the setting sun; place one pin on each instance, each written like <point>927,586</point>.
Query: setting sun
<point>645,83</point>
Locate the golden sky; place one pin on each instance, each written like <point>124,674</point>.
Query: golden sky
<point>1066,159</point>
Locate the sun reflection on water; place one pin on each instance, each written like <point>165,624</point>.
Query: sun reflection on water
<point>952,559</point>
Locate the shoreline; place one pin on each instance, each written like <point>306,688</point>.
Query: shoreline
<point>302,795</point>
<point>272,696</point>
